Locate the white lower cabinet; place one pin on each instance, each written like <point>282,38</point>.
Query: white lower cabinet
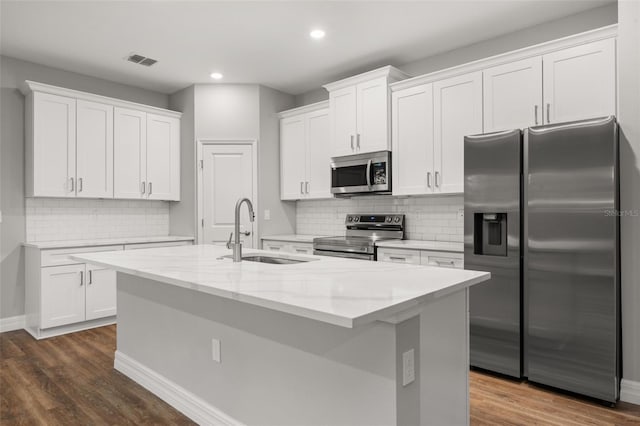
<point>62,295</point>
<point>100,292</point>
<point>287,247</point>
<point>421,257</point>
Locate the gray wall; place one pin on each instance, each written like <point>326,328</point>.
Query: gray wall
<point>182,215</point>
<point>629,117</point>
<point>283,214</point>
<point>588,20</point>
<point>12,73</point>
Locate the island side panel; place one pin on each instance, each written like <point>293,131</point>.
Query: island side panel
<point>444,361</point>
<point>275,368</point>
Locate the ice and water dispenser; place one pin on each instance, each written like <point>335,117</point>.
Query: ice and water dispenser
<point>490,234</point>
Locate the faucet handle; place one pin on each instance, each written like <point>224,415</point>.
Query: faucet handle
<point>229,242</point>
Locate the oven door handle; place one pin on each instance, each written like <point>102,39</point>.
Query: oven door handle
<point>369,173</point>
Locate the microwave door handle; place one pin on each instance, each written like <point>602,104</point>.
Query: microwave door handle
<point>369,173</point>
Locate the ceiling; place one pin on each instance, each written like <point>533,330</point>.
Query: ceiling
<point>263,42</point>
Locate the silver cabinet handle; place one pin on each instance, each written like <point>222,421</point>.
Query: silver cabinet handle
<point>307,187</point>
<point>150,187</point>
<point>548,113</point>
<point>352,143</point>
<point>301,187</point>
<point>72,186</point>
<point>358,141</point>
<point>90,276</point>
<point>79,184</point>
<point>437,182</point>
<point>428,179</point>
<point>445,262</point>
<point>144,189</point>
<point>404,259</point>
<point>535,114</point>
<point>369,172</point>
<point>81,278</point>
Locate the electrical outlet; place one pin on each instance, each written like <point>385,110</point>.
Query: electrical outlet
<point>408,367</point>
<point>215,350</point>
<point>267,214</point>
<point>461,213</point>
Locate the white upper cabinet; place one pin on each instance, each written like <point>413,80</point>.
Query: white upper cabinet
<point>94,150</point>
<point>51,147</point>
<point>163,157</point>
<point>129,152</point>
<point>305,153</point>
<point>412,140</point>
<point>457,112</point>
<point>359,112</point>
<point>580,82</point>
<point>90,146</point>
<point>513,95</point>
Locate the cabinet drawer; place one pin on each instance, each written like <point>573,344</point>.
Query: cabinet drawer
<point>153,245</point>
<point>411,257</point>
<point>442,259</point>
<point>301,248</point>
<point>274,245</point>
<point>57,257</point>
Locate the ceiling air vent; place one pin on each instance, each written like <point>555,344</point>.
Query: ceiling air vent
<point>141,60</point>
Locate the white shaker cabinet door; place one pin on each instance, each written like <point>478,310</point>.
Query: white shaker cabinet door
<point>412,140</point>
<point>62,295</point>
<point>54,146</point>
<point>100,298</point>
<point>292,158</point>
<point>163,158</point>
<point>130,153</point>
<point>94,153</point>
<point>343,121</point>
<point>372,116</point>
<point>318,155</point>
<point>580,82</point>
<point>513,95</point>
<point>457,113</point>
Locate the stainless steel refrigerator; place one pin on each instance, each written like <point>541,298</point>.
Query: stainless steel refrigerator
<point>541,215</point>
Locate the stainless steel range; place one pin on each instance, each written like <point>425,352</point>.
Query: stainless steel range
<point>363,231</point>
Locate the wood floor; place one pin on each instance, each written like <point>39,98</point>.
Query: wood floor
<point>70,380</point>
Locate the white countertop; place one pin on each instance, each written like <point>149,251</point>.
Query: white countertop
<point>423,245</point>
<point>105,241</point>
<point>344,292</point>
<point>292,238</point>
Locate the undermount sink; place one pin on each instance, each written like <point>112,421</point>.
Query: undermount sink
<point>272,259</point>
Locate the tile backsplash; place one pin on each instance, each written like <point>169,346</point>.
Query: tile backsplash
<point>55,219</point>
<point>430,217</point>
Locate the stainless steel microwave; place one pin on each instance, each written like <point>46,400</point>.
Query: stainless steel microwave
<point>361,174</point>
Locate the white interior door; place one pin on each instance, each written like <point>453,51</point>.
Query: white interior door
<point>130,153</point>
<point>94,153</point>
<point>227,175</point>
<point>513,95</point>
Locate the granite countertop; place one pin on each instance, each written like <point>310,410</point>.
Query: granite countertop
<point>293,238</point>
<point>423,245</point>
<point>105,241</point>
<point>343,292</point>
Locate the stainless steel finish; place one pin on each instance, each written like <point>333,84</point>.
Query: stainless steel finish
<point>229,240</point>
<point>246,233</point>
<point>492,186</point>
<point>90,276</point>
<point>436,179</point>
<point>535,114</point>
<point>307,187</point>
<point>79,184</point>
<point>273,259</point>
<point>143,188</point>
<point>429,179</point>
<point>150,188</point>
<point>358,141</point>
<point>81,278</point>
<point>236,246</point>
<point>345,255</point>
<point>445,262</point>
<point>369,161</point>
<point>72,186</point>
<point>352,148</point>
<point>301,187</point>
<point>548,113</point>
<point>572,272</point>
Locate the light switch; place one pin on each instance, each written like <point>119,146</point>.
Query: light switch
<point>408,367</point>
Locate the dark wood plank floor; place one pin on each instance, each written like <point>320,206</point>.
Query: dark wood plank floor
<point>70,380</point>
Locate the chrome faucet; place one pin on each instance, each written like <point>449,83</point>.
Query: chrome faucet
<point>237,245</point>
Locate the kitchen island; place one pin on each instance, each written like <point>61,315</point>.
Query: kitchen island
<point>326,341</point>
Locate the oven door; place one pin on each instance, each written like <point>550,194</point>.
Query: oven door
<point>346,255</point>
<point>361,173</point>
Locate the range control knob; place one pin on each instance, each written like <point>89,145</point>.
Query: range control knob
<point>388,219</point>
<point>356,219</point>
<point>350,218</point>
<point>396,219</point>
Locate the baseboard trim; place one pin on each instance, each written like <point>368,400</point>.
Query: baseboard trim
<point>181,399</point>
<point>630,391</point>
<point>12,323</point>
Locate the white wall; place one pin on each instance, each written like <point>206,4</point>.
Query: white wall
<point>12,201</point>
<point>629,118</point>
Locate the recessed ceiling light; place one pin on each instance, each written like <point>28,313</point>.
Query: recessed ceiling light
<point>317,34</point>
<point>216,75</point>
